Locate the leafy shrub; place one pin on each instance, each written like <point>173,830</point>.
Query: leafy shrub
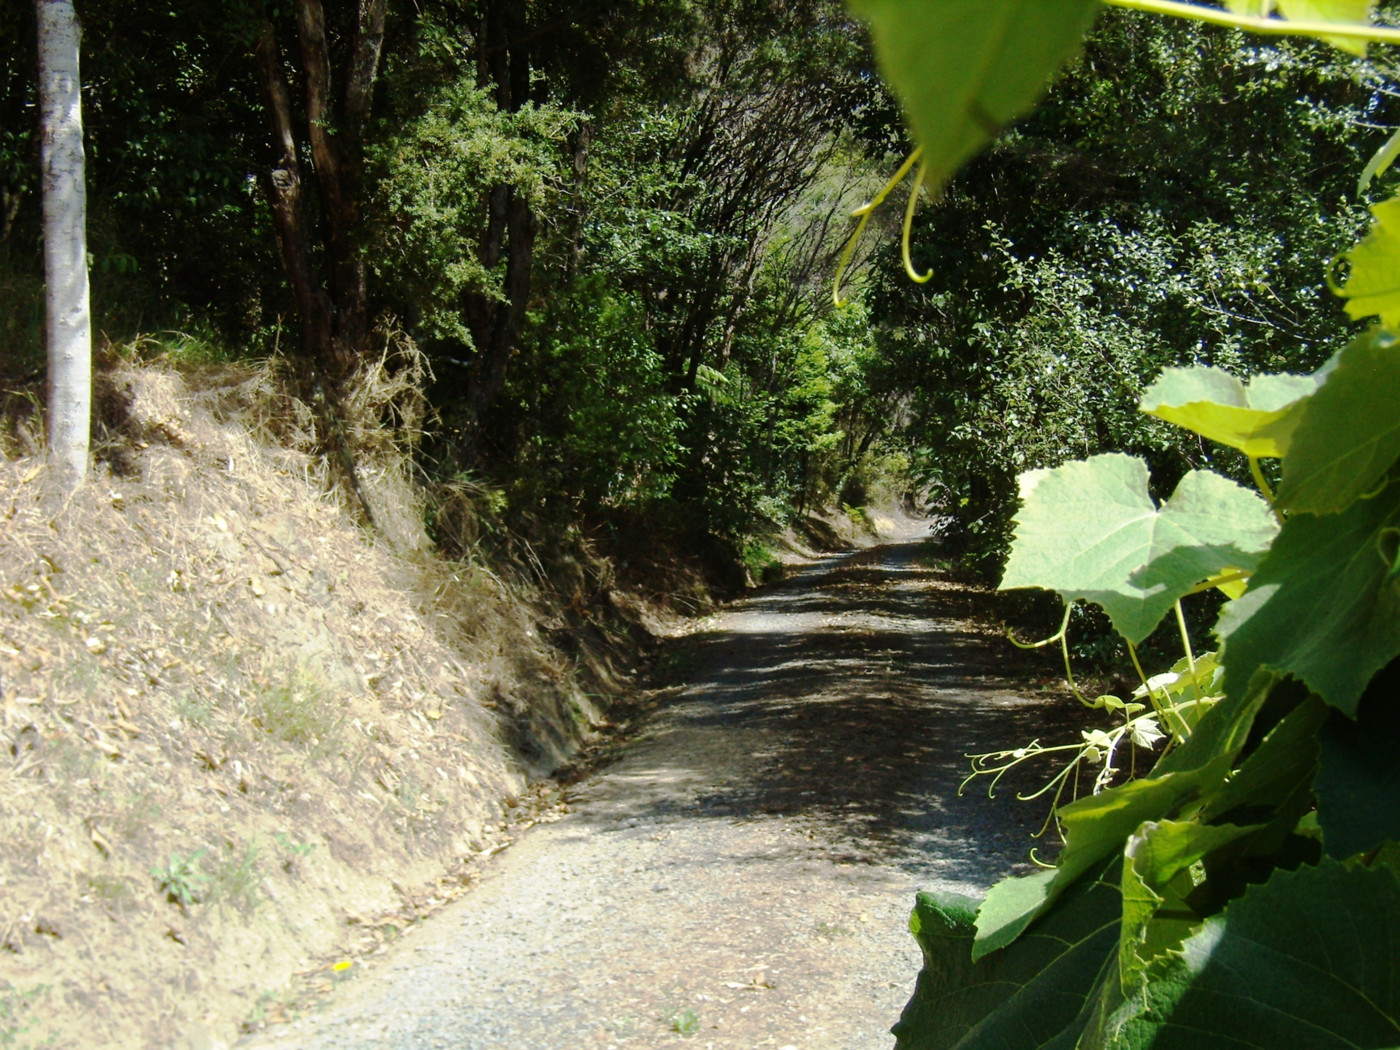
<point>1246,889</point>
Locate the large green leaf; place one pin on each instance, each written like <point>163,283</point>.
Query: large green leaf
<point>1324,604</point>
<point>1089,530</point>
<point>1280,768</point>
<point>1309,960</point>
<point>1348,436</point>
<point>1373,286</point>
<point>1034,995</point>
<point>1257,418</point>
<point>1095,827</point>
<point>964,69</point>
<point>1358,775</point>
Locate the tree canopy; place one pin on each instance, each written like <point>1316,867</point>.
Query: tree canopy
<point>611,230</point>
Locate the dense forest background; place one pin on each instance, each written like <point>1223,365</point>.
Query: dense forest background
<point>605,233</point>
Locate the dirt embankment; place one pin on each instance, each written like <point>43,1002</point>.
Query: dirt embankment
<point>242,738</point>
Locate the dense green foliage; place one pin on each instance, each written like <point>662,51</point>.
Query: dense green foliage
<point>558,202</point>
<point>1168,204</point>
<point>609,228</point>
<point>1244,891</point>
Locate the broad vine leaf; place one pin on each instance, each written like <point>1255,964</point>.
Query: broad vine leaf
<point>1095,827</point>
<point>1154,858</point>
<point>1373,286</point>
<point>1034,995</point>
<point>1358,776</point>
<point>1348,436</point>
<point>964,69</point>
<point>1257,418</point>
<point>1306,959</point>
<point>1089,530</point>
<point>1324,604</point>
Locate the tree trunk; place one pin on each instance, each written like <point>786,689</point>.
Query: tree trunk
<point>332,299</point>
<point>69,320</point>
<point>497,325</point>
<point>321,255</point>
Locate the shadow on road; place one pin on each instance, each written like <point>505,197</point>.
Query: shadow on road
<point>848,697</point>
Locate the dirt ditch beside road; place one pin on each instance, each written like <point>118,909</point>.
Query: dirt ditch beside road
<point>742,875</point>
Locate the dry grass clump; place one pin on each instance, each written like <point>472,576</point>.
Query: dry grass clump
<point>232,720</point>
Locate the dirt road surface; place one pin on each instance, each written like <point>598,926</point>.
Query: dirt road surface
<point>742,876</point>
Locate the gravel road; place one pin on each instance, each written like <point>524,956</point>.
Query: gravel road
<point>742,876</point>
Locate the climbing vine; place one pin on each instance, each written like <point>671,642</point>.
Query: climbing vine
<point>1244,890</point>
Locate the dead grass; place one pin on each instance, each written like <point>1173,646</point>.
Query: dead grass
<point>200,655</point>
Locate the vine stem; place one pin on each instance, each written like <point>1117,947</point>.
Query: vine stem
<point>1257,473</point>
<point>1190,656</point>
<point>864,212</point>
<point>1178,734</point>
<point>1257,24</point>
<point>907,232</point>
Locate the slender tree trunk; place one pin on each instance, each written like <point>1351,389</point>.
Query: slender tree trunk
<point>332,297</point>
<point>321,256</point>
<point>496,326</point>
<point>285,184</point>
<point>69,320</point>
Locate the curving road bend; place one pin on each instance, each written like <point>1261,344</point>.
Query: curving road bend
<point>742,876</point>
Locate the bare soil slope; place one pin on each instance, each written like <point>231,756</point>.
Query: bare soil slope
<point>239,734</point>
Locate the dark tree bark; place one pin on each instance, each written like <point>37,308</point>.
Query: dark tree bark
<point>332,305</point>
<point>331,298</point>
<point>496,326</point>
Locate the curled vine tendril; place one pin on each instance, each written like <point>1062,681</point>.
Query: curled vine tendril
<point>865,211</point>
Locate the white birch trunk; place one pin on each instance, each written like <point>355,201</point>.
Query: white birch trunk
<point>69,328</point>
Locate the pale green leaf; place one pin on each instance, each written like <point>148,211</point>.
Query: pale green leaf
<point>1257,418</point>
<point>1380,161</point>
<point>1323,606</point>
<point>964,69</point>
<point>1348,435</point>
<point>1372,287</point>
<point>1350,12</point>
<point>1089,530</point>
<point>1009,907</point>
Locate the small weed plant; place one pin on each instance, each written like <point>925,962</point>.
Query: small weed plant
<point>685,1022</point>
<point>1243,891</point>
<point>181,880</point>
<point>16,1014</point>
<point>236,879</point>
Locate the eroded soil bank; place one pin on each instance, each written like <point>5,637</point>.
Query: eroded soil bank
<point>742,874</point>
